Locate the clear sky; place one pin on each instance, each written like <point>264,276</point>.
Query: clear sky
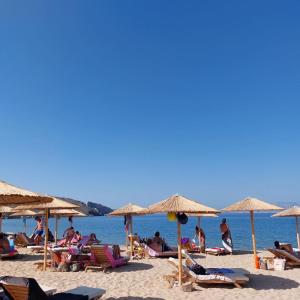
<point>131,101</point>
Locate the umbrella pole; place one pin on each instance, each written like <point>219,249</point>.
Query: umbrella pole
<point>198,224</point>
<point>179,254</point>
<point>131,237</point>
<point>0,223</point>
<point>253,237</point>
<point>46,238</point>
<point>56,228</point>
<point>24,221</point>
<point>298,236</point>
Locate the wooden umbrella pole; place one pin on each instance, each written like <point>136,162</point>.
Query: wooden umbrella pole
<point>298,236</point>
<point>24,221</point>
<point>131,237</point>
<point>253,237</point>
<point>46,238</point>
<point>56,228</point>
<point>179,254</point>
<point>199,224</point>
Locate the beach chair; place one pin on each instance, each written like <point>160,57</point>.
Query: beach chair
<point>22,240</point>
<point>19,288</point>
<point>160,254</point>
<point>102,258</point>
<point>216,276</point>
<point>215,251</point>
<point>291,260</point>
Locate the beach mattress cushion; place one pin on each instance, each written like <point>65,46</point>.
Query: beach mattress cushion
<point>114,262</point>
<point>68,296</point>
<point>226,276</point>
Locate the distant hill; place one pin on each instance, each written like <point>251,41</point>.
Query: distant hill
<point>98,209</point>
<point>89,208</point>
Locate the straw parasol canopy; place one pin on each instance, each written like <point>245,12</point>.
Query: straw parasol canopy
<point>54,204</point>
<point>10,194</point>
<point>128,210</point>
<point>252,204</point>
<point>179,204</point>
<point>26,213</point>
<point>6,210</point>
<point>291,212</point>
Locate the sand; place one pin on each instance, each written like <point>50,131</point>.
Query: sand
<point>143,279</point>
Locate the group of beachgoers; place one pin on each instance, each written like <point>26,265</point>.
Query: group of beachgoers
<point>159,244</point>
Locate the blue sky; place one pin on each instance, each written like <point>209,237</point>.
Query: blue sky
<point>119,101</point>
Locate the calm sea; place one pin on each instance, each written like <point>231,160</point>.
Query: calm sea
<point>111,229</point>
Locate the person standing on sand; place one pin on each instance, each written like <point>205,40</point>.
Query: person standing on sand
<point>226,237</point>
<point>38,230</point>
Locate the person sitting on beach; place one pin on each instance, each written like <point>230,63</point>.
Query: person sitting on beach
<point>78,236</point>
<point>201,237</point>
<point>4,244</point>
<point>226,237</point>
<point>38,230</point>
<point>286,247</point>
<point>92,240</point>
<point>160,242</point>
<point>70,236</point>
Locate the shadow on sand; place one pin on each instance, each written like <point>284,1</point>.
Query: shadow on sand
<point>132,267</point>
<point>29,257</point>
<point>270,282</point>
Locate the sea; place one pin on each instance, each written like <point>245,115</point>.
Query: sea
<point>112,230</point>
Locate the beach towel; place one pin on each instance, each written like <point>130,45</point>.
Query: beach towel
<point>227,241</point>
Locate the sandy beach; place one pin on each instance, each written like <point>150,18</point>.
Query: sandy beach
<point>143,279</point>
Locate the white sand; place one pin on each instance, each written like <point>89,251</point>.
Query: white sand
<point>143,279</point>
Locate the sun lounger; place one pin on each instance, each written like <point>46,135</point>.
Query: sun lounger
<point>102,258</point>
<point>19,288</point>
<point>22,240</point>
<point>92,293</point>
<point>291,260</point>
<point>215,251</point>
<point>153,253</point>
<point>219,276</point>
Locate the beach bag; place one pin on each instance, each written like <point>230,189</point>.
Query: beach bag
<point>63,267</point>
<point>279,264</point>
<point>75,267</point>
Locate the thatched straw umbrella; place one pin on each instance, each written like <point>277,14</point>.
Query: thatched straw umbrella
<point>4,210</point>
<point>251,204</point>
<point>179,204</point>
<point>26,213</point>
<point>128,211</point>
<point>291,212</point>
<point>55,204</point>
<point>10,194</point>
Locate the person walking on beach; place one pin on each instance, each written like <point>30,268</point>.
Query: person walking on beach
<point>38,230</point>
<point>226,237</point>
